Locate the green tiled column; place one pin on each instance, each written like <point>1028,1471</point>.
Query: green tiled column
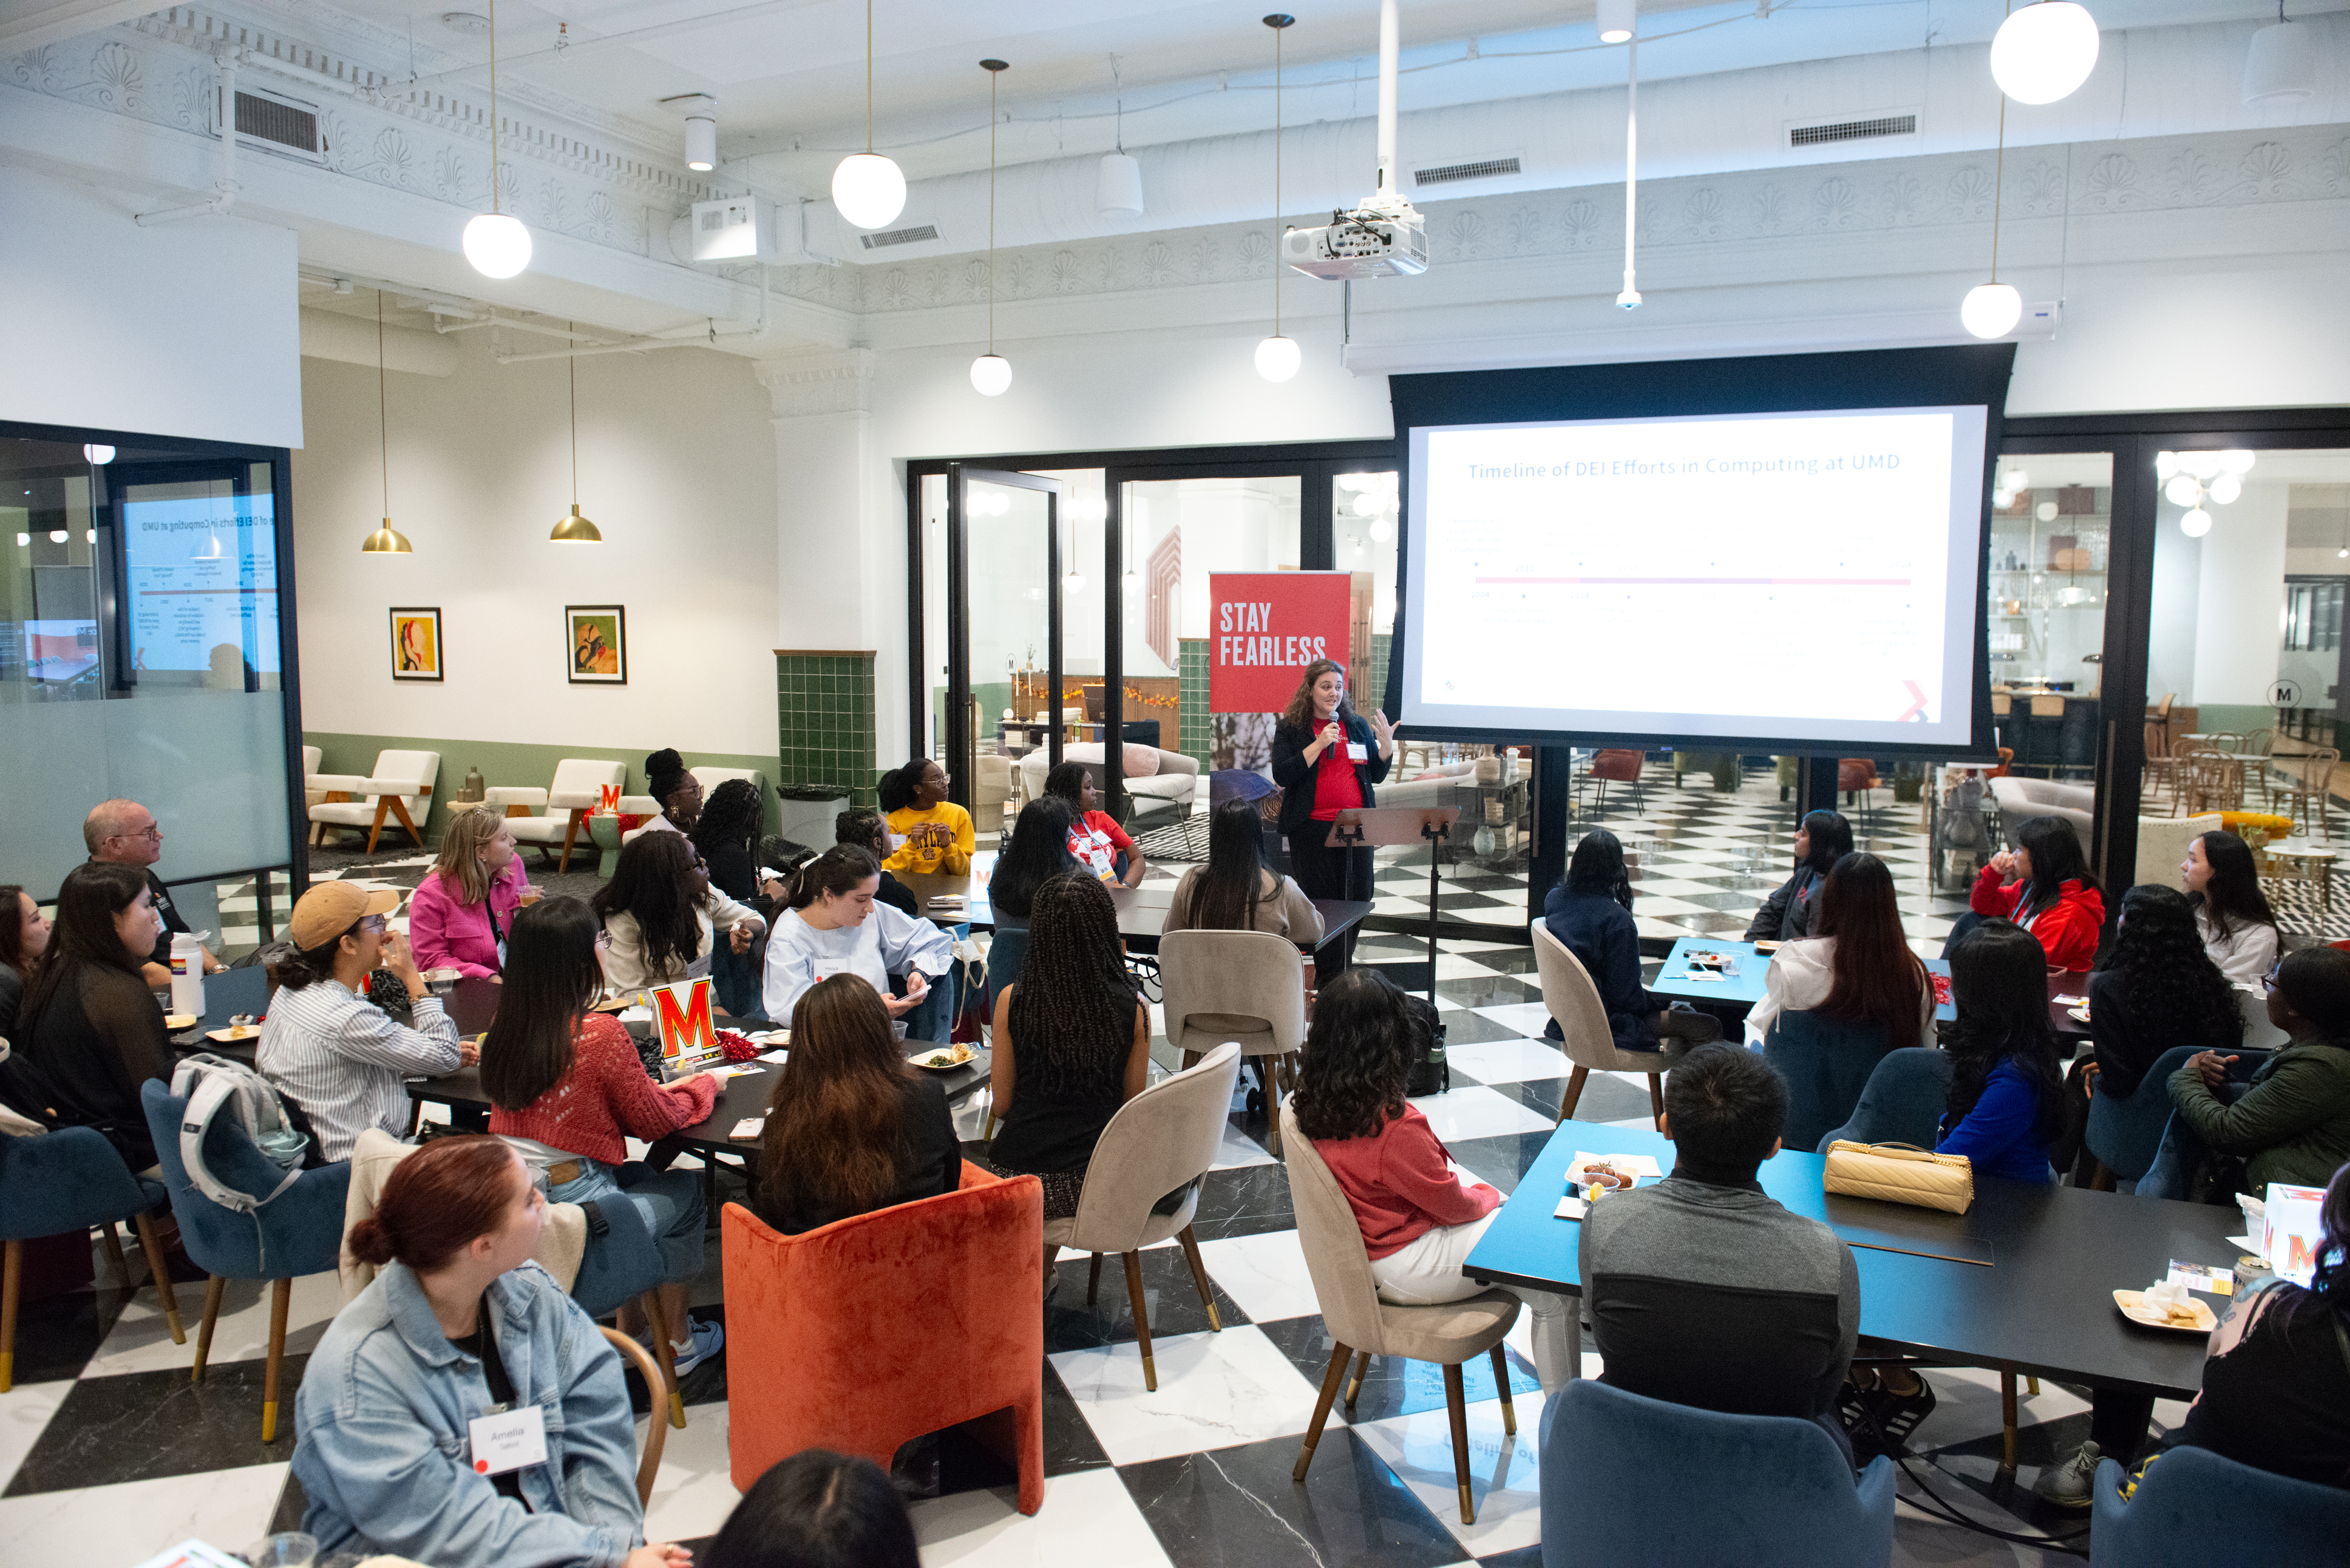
<point>823,721</point>
<point>1191,676</point>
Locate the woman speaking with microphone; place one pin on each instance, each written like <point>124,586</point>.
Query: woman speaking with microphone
<point>1326,759</point>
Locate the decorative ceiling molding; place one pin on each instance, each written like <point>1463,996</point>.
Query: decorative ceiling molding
<point>812,384</point>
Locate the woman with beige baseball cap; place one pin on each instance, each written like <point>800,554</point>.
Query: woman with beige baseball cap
<point>325,1045</point>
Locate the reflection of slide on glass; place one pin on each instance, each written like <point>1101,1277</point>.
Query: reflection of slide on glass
<point>203,580</point>
<point>1805,576</point>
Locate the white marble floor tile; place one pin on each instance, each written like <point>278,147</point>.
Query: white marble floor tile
<point>1087,1517</point>
<point>1237,1151</point>
<point>1513,914</point>
<point>1479,1113</point>
<point>1525,1018</point>
<point>25,1410</point>
<point>1214,1390</point>
<point>1265,1274</point>
<point>1455,966</point>
<point>1510,1061</point>
<point>694,1492</point>
<point>1504,1476</point>
<point>133,1521</point>
<point>140,1340</point>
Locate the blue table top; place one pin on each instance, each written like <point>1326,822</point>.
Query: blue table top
<point>1744,989</point>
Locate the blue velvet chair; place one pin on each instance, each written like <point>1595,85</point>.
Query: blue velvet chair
<point>299,1232</point>
<point>1825,1064</point>
<point>1004,951</point>
<point>2197,1510</point>
<point>2125,1134</point>
<point>1761,1490</point>
<point>1902,1101</point>
<point>53,1184</point>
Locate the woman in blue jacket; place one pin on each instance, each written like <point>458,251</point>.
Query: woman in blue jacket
<point>1326,759</point>
<point>2006,1104</point>
<point>1591,914</point>
<point>460,1323</point>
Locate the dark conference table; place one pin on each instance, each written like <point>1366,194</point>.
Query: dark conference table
<point>1739,993</point>
<point>2036,1298</point>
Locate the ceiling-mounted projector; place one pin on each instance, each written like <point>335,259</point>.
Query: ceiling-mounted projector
<point>1384,237</point>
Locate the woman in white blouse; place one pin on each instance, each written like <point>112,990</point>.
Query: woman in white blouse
<point>829,924</point>
<point>662,918</point>
<point>2239,929</point>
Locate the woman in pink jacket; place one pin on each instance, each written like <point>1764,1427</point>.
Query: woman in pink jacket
<point>465,909</point>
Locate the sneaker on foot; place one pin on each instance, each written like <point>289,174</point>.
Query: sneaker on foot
<point>2067,1485</point>
<point>1888,1418</point>
<point>704,1342</point>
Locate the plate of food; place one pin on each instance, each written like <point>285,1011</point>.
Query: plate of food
<point>945,1058</point>
<point>2193,1318</point>
<point>2078,1014</point>
<point>178,1021</point>
<point>233,1032</point>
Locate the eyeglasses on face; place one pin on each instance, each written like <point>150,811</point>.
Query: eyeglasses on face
<point>377,924</point>
<point>150,831</point>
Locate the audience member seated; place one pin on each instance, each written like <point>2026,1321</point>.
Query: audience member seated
<point>2290,1121</point>
<point>932,833</point>
<point>568,1090</point>
<point>1703,1290</point>
<point>1072,1041</point>
<point>662,916</point>
<point>1421,1214</point>
<point>1096,839</point>
<point>24,937</point>
<point>88,1033</point>
<point>2053,896</point>
<point>1855,967</point>
<point>727,835</point>
<point>1591,914</point>
<point>679,792</point>
<point>325,1046</point>
<point>852,1125</point>
<point>2231,913</point>
<point>2007,1091</point>
<point>831,925</point>
<point>123,833</point>
<point>461,1323</point>
<point>1037,852</point>
<point>1822,838</point>
<point>2276,1379</point>
<point>1235,891</point>
<point>466,905</point>
<point>865,827</point>
<point>817,1510</point>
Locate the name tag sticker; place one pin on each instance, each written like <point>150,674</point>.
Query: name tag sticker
<point>508,1440</point>
<point>1358,752</point>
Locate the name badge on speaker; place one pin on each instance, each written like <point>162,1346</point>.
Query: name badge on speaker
<point>1358,752</point>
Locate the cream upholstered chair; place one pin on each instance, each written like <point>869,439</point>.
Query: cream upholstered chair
<point>1358,1322</point>
<point>1248,987</point>
<point>1165,1138</point>
<point>401,784</point>
<point>311,794</point>
<point>991,793</point>
<point>643,805</point>
<point>711,778</point>
<point>563,804</point>
<point>1574,1002</point>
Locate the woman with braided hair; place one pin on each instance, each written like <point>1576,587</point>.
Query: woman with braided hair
<point>1072,1041</point>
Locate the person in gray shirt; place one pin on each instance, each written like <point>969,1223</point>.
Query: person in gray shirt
<point>1703,1289</point>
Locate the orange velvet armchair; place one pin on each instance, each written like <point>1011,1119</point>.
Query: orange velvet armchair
<point>862,1334</point>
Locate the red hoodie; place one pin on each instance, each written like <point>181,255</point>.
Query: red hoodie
<point>2068,928</point>
<point>1400,1183</point>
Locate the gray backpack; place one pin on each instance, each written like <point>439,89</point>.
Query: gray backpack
<point>209,1082</point>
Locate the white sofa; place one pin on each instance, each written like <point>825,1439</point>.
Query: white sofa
<point>402,784</point>
<point>563,806</point>
<point>2162,844</point>
<point>1173,782</point>
<point>1439,790</point>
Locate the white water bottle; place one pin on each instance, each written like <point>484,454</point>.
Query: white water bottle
<point>188,974</point>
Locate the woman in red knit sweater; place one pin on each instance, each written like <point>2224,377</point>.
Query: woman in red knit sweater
<point>1420,1213</point>
<point>569,1091</point>
<point>2053,896</point>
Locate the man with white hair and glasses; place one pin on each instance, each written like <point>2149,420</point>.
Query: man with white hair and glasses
<point>123,833</point>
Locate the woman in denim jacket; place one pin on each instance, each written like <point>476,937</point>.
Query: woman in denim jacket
<point>461,1325</point>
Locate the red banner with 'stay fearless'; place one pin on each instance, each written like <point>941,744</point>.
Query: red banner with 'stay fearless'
<point>1266,627</point>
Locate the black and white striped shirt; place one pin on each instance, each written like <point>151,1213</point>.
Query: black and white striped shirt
<point>344,1061</point>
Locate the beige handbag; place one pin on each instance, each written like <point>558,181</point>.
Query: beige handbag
<point>1900,1173</point>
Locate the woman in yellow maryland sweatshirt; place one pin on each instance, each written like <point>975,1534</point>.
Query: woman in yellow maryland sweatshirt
<point>937,832</point>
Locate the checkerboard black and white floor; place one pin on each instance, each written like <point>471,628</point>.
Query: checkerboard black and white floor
<point>109,1453</point>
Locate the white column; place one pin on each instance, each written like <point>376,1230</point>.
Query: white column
<point>2241,597</point>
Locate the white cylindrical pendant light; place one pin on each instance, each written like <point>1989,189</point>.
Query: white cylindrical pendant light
<point>2043,52</point>
<point>1992,310</point>
<point>1117,186</point>
<point>1615,20</point>
<point>1277,358</point>
<point>701,142</point>
<point>2282,65</point>
<point>497,244</point>
<point>991,375</point>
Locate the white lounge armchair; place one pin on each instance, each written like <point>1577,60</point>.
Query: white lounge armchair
<point>1171,785</point>
<point>311,794</point>
<point>402,786</point>
<point>563,806</point>
<point>711,778</point>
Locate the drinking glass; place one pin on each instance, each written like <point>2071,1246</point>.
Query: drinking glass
<point>287,1549</point>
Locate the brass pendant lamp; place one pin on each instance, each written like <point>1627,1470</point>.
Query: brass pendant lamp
<point>386,540</point>
<point>575,529</point>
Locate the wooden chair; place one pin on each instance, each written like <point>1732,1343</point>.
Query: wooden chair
<point>2209,780</point>
<point>2305,784</point>
<point>1590,1045</point>
<point>563,806</point>
<point>400,785</point>
<point>656,1432</point>
<point>2161,768</point>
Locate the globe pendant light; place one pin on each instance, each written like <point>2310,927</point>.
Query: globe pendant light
<point>1118,184</point>
<point>575,529</point>
<point>1620,19</point>
<point>991,373</point>
<point>386,540</point>
<point>2043,52</point>
<point>1992,310</point>
<point>496,244</point>
<point>867,189</point>
<point>2282,65</point>
<point>1277,357</point>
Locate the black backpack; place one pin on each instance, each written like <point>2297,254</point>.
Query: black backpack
<point>1430,1073</point>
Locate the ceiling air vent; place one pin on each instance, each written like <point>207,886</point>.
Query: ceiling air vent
<point>901,237</point>
<point>1833,131</point>
<point>279,124</point>
<point>1453,174</point>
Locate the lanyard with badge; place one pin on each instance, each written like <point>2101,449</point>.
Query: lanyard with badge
<point>507,1438</point>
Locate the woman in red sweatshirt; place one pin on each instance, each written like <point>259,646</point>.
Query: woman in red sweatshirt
<point>568,1091</point>
<point>1420,1213</point>
<point>2053,896</point>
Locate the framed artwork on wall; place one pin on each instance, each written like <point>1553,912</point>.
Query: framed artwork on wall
<point>416,648</point>
<point>597,636</point>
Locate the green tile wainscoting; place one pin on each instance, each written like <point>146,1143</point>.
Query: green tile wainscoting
<point>508,763</point>
<point>823,720</point>
<point>1191,689</point>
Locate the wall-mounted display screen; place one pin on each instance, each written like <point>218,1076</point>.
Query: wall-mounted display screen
<point>201,580</point>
